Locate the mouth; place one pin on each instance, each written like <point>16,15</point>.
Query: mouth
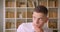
<point>38,25</point>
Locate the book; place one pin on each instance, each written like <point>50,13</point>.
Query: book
<point>19,15</point>
<point>30,3</point>
<point>50,14</point>
<point>55,15</point>
<point>8,25</point>
<point>24,14</point>
<point>29,14</point>
<point>56,3</point>
<point>18,23</point>
<point>10,31</point>
<point>44,3</point>
<point>10,4</point>
<point>52,24</point>
<point>12,25</point>
<point>6,15</point>
<point>21,4</point>
<point>52,4</point>
<point>9,14</point>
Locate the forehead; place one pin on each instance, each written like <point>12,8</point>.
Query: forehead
<point>35,14</point>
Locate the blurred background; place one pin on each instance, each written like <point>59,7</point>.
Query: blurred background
<point>15,12</point>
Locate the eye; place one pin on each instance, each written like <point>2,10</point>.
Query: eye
<point>41,18</point>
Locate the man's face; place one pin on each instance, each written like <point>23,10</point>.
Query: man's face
<point>39,19</point>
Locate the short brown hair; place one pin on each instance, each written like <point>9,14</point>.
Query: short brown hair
<point>41,9</point>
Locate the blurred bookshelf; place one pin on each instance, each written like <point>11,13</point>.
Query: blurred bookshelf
<point>43,2</point>
<point>20,11</point>
<point>10,31</point>
<point>9,13</point>
<point>52,3</point>
<point>9,3</point>
<point>29,12</point>
<point>53,23</point>
<point>53,13</point>
<point>19,22</point>
<point>32,3</point>
<point>10,23</point>
<point>21,3</point>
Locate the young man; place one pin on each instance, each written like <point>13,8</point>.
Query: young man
<point>39,19</point>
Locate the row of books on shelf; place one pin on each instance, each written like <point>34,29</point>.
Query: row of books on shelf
<point>19,22</point>
<point>21,4</point>
<point>28,15</point>
<point>11,25</point>
<point>10,31</point>
<point>15,31</point>
<point>53,23</point>
<point>10,14</point>
<point>31,3</point>
<point>10,4</point>
<point>53,4</point>
<point>42,3</point>
<point>50,3</point>
<point>53,14</point>
<point>19,14</point>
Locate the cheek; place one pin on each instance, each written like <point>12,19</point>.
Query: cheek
<point>34,19</point>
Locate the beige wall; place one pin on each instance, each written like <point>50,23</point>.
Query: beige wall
<point>1,15</point>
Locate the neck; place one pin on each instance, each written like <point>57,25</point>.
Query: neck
<point>41,30</point>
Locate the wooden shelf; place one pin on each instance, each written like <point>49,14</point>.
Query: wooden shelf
<point>53,23</point>
<point>42,2</point>
<point>21,13</point>
<point>53,3</point>
<point>10,24</point>
<point>10,31</point>
<point>53,13</point>
<point>9,3</point>
<point>21,3</point>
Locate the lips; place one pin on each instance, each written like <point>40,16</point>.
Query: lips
<point>38,25</point>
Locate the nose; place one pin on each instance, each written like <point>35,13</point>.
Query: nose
<point>37,21</point>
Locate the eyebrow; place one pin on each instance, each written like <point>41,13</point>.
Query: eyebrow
<point>38,17</point>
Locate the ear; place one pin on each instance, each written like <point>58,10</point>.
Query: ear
<point>46,19</point>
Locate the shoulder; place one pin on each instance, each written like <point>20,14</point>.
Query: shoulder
<point>24,27</point>
<point>26,24</point>
<point>47,30</point>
